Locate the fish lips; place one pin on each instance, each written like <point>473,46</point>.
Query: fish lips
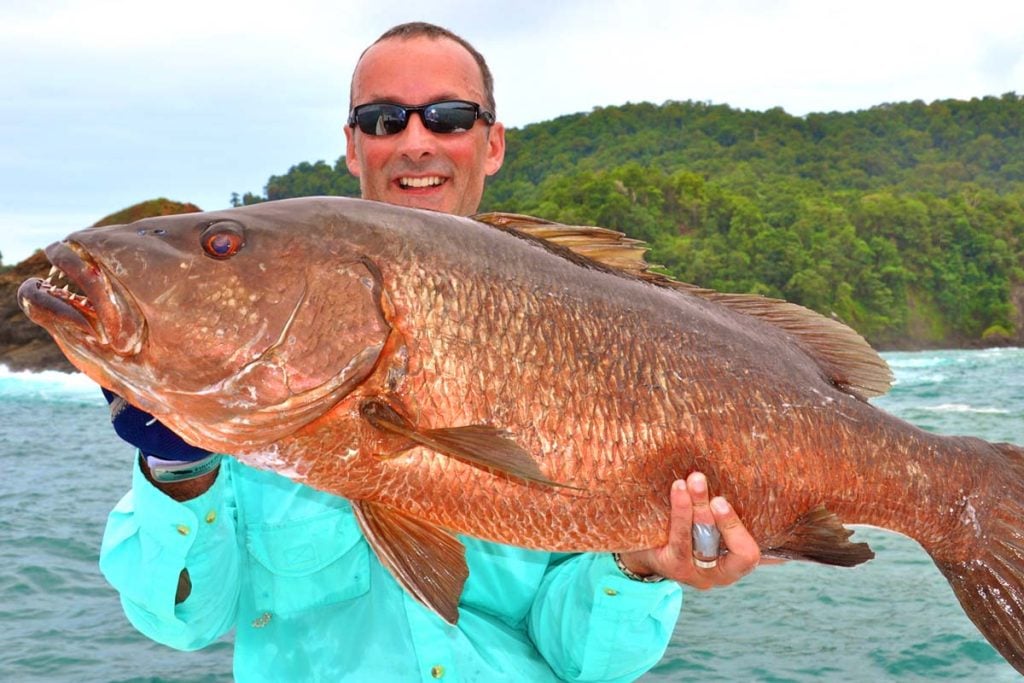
<point>102,315</point>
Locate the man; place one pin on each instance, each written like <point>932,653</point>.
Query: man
<point>203,544</point>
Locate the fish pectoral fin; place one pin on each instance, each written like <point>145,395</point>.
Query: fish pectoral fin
<point>817,536</point>
<point>428,562</point>
<point>479,445</point>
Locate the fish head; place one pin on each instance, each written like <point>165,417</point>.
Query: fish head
<point>235,327</point>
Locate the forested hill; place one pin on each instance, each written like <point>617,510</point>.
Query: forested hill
<point>904,220</point>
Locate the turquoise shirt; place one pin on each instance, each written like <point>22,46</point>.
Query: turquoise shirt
<point>287,567</point>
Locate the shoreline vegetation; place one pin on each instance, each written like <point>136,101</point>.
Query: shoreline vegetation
<point>905,220</point>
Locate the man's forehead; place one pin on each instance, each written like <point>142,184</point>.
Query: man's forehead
<point>409,69</point>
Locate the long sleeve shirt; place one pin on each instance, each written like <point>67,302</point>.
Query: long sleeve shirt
<point>287,567</point>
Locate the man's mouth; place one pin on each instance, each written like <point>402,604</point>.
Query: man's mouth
<point>417,183</point>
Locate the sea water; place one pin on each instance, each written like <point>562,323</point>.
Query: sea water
<point>62,469</point>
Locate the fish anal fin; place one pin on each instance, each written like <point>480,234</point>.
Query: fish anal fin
<point>817,536</point>
<point>482,446</point>
<point>428,562</point>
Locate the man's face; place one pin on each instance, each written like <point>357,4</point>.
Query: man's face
<point>418,168</point>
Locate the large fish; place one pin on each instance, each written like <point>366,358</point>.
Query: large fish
<point>522,382</point>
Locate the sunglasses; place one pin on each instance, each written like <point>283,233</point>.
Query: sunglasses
<point>386,118</point>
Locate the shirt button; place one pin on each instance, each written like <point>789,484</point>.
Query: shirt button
<point>611,592</point>
<point>183,530</point>
<point>211,516</point>
<point>437,671</point>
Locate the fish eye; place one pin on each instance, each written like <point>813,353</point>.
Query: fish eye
<point>222,240</point>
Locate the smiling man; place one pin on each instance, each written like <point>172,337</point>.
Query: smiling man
<point>417,166</point>
<point>204,544</point>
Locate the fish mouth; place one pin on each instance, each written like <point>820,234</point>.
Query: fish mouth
<point>89,308</point>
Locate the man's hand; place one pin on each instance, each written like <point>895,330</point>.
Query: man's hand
<point>163,449</point>
<point>674,560</point>
<point>148,434</point>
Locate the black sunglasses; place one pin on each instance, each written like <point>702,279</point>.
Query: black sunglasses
<point>387,118</point>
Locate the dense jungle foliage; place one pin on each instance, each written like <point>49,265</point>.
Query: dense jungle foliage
<point>905,220</point>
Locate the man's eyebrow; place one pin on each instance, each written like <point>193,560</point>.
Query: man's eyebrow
<point>437,97</point>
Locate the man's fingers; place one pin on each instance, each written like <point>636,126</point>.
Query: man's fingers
<point>744,553</point>
<point>680,520</point>
<point>697,486</point>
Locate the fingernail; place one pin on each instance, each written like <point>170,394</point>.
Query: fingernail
<point>698,482</point>
<point>719,505</point>
<point>679,485</point>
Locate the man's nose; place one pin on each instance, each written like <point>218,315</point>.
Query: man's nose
<point>416,141</point>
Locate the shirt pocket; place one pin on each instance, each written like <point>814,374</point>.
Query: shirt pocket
<point>308,563</point>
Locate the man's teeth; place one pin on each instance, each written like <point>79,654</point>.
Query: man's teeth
<point>429,181</point>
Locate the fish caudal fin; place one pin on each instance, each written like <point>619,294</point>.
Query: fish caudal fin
<point>990,583</point>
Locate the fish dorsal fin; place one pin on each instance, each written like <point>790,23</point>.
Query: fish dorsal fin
<point>843,355</point>
<point>479,445</point>
<point>817,536</point>
<point>609,247</point>
<point>428,562</point>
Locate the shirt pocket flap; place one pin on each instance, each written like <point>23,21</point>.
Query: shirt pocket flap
<point>303,547</point>
<point>308,563</point>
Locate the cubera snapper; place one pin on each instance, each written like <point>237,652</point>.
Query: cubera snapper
<point>522,382</point>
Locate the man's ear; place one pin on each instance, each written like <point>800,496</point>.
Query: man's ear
<point>351,158</point>
<point>495,149</point>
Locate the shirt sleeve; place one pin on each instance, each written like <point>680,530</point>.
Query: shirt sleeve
<point>592,623</point>
<point>150,538</point>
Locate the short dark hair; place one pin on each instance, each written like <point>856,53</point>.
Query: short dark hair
<point>417,29</point>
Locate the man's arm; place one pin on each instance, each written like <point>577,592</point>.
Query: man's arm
<point>172,537</point>
<point>182,491</point>
<point>174,563</point>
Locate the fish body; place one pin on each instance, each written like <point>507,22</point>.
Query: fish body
<point>521,382</point>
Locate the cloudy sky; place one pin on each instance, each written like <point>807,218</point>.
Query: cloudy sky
<point>107,103</point>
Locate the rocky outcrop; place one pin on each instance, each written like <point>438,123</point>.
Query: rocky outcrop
<point>23,344</point>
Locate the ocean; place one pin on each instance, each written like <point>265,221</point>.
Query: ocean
<point>891,619</point>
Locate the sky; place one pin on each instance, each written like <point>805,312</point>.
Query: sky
<point>107,103</point>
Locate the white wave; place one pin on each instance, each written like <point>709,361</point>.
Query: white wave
<point>915,363</point>
<point>963,408</point>
<point>48,382</point>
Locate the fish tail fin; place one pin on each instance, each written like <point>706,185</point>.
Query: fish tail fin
<point>989,580</point>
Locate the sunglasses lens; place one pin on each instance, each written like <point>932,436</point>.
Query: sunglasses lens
<point>449,117</point>
<point>381,119</point>
<point>453,116</point>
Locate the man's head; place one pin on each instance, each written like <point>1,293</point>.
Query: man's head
<point>417,64</point>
